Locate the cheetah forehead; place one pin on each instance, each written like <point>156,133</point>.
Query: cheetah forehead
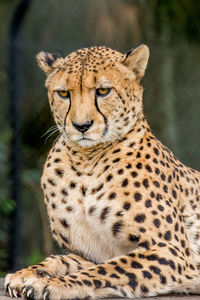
<point>96,59</point>
<point>93,56</point>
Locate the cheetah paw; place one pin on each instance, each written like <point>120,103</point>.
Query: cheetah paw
<point>16,284</point>
<point>51,289</point>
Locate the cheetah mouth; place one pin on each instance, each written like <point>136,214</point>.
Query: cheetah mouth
<point>84,139</point>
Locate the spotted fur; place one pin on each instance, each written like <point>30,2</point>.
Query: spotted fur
<point>123,206</point>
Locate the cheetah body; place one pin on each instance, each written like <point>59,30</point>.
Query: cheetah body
<point>117,199</point>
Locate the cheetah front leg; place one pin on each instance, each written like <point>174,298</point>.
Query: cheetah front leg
<point>138,274</point>
<point>53,266</point>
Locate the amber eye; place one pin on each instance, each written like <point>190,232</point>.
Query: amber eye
<point>63,94</point>
<point>103,91</point>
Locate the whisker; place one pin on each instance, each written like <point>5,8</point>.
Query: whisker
<point>50,129</point>
<point>52,133</point>
<point>57,138</point>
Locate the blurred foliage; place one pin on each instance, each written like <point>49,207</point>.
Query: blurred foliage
<point>171,96</point>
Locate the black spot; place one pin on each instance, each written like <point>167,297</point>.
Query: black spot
<point>139,166</point>
<point>192,267</point>
<point>156,183</point>
<point>148,203</point>
<point>116,228</point>
<point>154,269</point>
<point>152,257</point>
<point>106,168</point>
<point>51,181</point>
<point>64,223</point>
<point>59,172</point>
<point>123,260</point>
<point>104,213</point>
<point>120,171</point>
<point>147,274</point>
<point>64,192</point>
<point>112,196</point>
<point>163,177</point>
<point>102,271</point>
<point>168,236</point>
<point>129,153</point>
<point>53,205</point>
<point>132,280</point>
<point>160,207</point>
<point>128,166</point>
<point>133,238</point>
<point>127,205</point>
<point>179,269</point>
<point>145,183</point>
<point>187,252</point>
<point>61,279</point>
<point>109,177</point>
<point>163,261</point>
<point>134,174</point>
<point>144,289</point>
<point>145,245</point>
<point>156,222</point>
<point>156,151</point>
<point>174,194</point>
<point>140,218</point>
<point>165,188</point>
<point>183,243</point>
<point>87,282</point>
<point>136,265</point>
<point>148,168</point>
<point>57,160</point>
<point>152,195</point>
<point>163,279</point>
<point>137,196</point>
<point>113,275</point>
<point>97,283</point>
<point>72,185</point>
<point>116,160</point>
<point>169,219</point>
<point>137,184</point>
<point>119,270</point>
<point>176,227</point>
<point>172,264</point>
<point>116,151</point>
<point>125,182</point>
<point>64,238</point>
<point>91,210</point>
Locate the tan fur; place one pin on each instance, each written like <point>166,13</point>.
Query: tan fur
<point>118,200</point>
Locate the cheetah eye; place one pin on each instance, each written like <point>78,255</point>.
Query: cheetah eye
<point>101,92</point>
<point>63,94</point>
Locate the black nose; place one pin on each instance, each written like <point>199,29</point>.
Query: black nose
<point>84,126</point>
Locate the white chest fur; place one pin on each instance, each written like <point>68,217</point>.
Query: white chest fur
<point>76,208</point>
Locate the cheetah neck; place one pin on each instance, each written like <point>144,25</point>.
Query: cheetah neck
<point>87,158</point>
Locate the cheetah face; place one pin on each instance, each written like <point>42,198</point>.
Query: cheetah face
<point>94,93</point>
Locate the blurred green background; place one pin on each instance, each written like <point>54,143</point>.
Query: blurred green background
<point>171,28</point>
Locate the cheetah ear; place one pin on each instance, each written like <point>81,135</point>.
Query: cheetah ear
<point>48,62</point>
<point>137,59</point>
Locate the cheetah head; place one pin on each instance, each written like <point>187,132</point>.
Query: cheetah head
<point>95,93</point>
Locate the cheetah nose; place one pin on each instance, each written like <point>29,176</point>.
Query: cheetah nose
<point>84,126</point>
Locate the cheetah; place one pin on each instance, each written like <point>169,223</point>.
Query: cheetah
<point>125,210</point>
